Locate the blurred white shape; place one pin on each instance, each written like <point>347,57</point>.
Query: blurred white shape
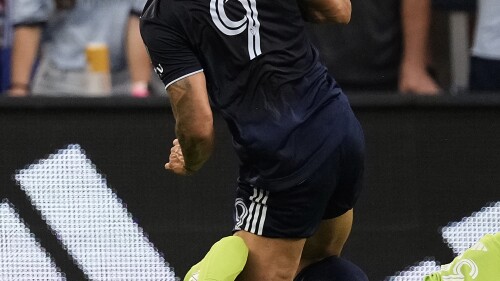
<point>21,256</point>
<point>90,220</point>
<point>462,235</point>
<point>416,272</point>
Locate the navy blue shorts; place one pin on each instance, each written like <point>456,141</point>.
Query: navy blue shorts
<point>297,211</point>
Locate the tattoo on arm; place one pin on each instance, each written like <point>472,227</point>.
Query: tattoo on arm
<point>182,86</point>
<point>193,116</point>
<point>176,91</point>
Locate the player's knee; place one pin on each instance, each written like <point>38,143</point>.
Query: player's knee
<point>332,268</point>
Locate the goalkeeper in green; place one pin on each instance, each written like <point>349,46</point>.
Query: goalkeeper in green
<point>481,262</point>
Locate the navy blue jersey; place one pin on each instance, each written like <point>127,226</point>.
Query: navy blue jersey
<point>262,74</point>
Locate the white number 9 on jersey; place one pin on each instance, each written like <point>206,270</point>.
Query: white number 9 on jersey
<point>249,22</point>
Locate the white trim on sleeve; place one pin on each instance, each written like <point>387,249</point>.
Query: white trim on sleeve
<point>182,77</point>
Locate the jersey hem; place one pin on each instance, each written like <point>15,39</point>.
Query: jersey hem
<point>182,77</point>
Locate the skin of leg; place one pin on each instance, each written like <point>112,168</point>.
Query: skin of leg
<point>270,259</point>
<point>328,240</point>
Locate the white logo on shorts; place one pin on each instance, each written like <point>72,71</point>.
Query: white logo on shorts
<point>241,212</point>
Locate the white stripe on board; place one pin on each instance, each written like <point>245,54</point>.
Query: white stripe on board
<point>90,220</point>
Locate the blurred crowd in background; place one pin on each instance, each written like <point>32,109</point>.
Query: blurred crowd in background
<point>93,48</point>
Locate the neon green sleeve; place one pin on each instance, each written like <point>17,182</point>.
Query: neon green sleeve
<point>481,262</point>
<point>433,277</point>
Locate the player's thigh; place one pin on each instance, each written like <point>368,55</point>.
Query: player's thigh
<point>328,240</point>
<point>270,259</point>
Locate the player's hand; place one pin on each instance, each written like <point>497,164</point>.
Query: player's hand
<point>176,162</point>
<point>418,82</point>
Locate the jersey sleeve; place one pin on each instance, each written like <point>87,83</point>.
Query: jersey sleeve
<point>478,263</point>
<point>170,51</point>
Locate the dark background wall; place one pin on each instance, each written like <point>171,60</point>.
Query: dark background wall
<point>429,161</point>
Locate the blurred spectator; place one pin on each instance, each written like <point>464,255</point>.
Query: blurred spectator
<point>485,61</point>
<point>383,48</point>
<point>61,30</point>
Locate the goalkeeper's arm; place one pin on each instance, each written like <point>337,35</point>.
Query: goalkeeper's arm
<point>322,11</point>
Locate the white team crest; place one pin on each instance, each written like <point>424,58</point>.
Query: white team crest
<point>458,275</point>
<point>241,212</point>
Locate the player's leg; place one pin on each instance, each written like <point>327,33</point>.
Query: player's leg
<point>277,259</point>
<point>321,255</point>
<point>270,259</point>
<point>328,240</point>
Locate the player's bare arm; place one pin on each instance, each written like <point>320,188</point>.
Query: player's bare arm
<point>323,11</point>
<point>194,125</point>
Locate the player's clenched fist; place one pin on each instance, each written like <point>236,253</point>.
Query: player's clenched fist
<point>176,162</point>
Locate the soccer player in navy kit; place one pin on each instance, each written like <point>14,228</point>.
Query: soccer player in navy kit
<point>300,146</point>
